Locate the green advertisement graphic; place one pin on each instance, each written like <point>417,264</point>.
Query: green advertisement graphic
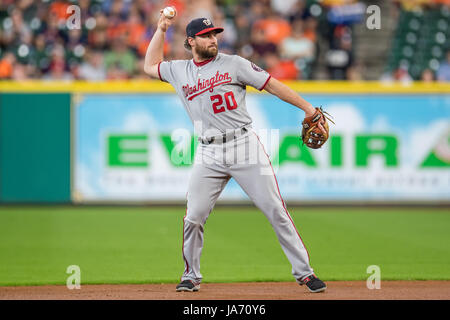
<point>439,157</point>
<point>132,150</point>
<point>127,150</point>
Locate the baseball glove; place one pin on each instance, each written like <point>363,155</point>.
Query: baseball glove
<point>312,135</point>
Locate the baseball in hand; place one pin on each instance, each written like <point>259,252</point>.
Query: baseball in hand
<point>169,12</point>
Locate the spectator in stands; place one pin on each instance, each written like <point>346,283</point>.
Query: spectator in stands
<point>275,28</point>
<point>135,30</point>
<point>298,11</point>
<point>443,73</point>
<point>20,72</point>
<point>340,58</point>
<point>310,28</point>
<point>92,68</point>
<point>120,57</point>
<point>58,9</point>
<point>75,47</point>
<point>299,48</point>
<point>284,7</point>
<point>7,65</point>
<point>41,54</point>
<point>51,29</point>
<point>282,69</point>
<point>427,76</point>
<point>19,29</point>
<point>98,38</point>
<point>402,74</point>
<point>116,72</point>
<point>244,29</point>
<point>258,11</point>
<point>355,72</point>
<point>200,8</point>
<point>58,65</point>
<point>260,46</point>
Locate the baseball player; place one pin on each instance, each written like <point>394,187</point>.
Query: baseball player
<point>212,88</point>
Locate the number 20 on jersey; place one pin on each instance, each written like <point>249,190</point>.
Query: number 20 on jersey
<point>217,102</point>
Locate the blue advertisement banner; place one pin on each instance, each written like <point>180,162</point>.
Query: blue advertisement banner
<point>386,148</point>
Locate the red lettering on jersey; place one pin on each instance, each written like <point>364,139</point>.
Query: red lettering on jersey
<point>204,85</point>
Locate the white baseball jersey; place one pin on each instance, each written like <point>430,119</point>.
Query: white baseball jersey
<point>213,92</point>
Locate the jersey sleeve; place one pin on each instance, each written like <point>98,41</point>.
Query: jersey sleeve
<point>167,70</point>
<point>250,74</point>
<point>164,71</point>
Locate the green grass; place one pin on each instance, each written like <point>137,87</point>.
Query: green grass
<point>143,245</point>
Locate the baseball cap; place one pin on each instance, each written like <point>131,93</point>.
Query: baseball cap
<point>201,26</point>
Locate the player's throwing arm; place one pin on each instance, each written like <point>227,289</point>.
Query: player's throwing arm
<point>155,50</point>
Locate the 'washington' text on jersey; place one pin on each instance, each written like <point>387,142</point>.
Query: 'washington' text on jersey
<point>205,85</point>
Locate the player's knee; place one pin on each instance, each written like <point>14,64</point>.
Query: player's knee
<point>270,207</point>
<point>197,215</point>
<point>276,215</point>
<point>193,221</point>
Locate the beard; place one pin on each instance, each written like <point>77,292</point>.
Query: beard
<point>207,52</point>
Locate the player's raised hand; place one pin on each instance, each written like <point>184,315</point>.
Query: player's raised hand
<point>165,22</point>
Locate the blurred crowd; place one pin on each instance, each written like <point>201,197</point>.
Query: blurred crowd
<point>279,35</point>
<point>38,41</point>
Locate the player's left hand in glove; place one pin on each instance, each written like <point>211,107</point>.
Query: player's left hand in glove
<point>315,130</point>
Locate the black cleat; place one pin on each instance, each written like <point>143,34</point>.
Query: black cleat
<point>188,285</point>
<point>314,284</point>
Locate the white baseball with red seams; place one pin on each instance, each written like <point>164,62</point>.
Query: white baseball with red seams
<point>213,94</point>
<point>169,12</point>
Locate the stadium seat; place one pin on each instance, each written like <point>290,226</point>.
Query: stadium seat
<point>420,40</point>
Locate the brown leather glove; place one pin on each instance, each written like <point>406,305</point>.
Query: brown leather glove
<point>314,135</point>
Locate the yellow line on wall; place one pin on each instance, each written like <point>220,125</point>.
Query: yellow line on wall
<point>155,86</point>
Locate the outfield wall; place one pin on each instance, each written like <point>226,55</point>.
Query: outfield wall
<point>35,147</point>
<point>133,142</point>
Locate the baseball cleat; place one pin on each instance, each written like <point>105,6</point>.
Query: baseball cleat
<point>314,284</point>
<point>187,285</point>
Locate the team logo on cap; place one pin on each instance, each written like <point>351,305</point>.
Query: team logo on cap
<point>207,22</point>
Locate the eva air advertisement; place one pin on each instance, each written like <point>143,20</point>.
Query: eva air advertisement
<point>389,148</point>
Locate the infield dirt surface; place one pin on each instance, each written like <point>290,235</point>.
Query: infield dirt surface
<point>337,290</point>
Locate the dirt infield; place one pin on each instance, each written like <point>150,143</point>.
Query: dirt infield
<point>337,290</point>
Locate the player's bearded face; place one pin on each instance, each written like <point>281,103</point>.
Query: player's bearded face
<point>206,46</point>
